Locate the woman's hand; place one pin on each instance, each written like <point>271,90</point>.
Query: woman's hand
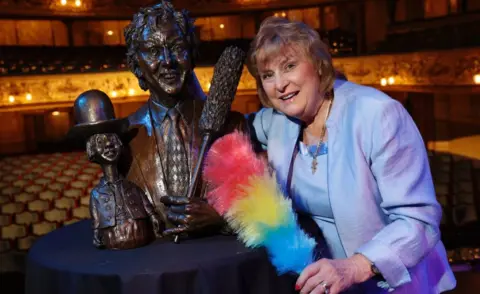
<point>334,276</point>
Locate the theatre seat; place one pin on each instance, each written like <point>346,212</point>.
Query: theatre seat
<point>39,193</point>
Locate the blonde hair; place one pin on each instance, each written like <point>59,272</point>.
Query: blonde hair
<point>277,34</point>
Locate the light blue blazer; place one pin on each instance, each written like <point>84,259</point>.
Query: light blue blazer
<point>379,184</point>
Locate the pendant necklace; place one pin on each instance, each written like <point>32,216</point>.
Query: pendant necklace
<point>322,136</point>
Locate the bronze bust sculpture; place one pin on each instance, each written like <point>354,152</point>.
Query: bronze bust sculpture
<point>164,149</point>
<point>123,217</point>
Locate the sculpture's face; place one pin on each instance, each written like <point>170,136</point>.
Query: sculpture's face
<point>164,58</point>
<point>106,147</point>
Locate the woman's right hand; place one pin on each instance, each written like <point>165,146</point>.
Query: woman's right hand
<point>333,276</point>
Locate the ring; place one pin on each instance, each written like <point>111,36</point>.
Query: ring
<point>324,285</point>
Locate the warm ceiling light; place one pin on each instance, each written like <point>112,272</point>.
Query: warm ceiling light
<point>78,3</point>
<point>114,93</point>
<point>63,2</point>
<point>284,14</point>
<point>11,98</point>
<point>476,79</point>
<point>28,96</point>
<point>391,80</point>
<point>383,82</point>
<point>131,92</point>
<point>110,33</point>
<point>55,113</point>
<point>222,26</point>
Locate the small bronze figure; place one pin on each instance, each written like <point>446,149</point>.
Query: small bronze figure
<point>163,153</point>
<point>123,217</point>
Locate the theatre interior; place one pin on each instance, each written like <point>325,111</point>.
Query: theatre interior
<point>423,53</point>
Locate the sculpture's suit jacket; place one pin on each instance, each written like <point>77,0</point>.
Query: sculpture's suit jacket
<point>103,203</point>
<point>143,157</point>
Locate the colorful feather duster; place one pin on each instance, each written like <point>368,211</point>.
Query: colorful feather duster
<point>248,196</point>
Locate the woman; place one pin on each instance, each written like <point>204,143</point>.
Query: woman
<point>351,158</point>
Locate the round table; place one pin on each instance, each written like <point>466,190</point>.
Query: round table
<point>65,261</point>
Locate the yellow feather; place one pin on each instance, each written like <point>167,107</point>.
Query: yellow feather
<point>264,207</point>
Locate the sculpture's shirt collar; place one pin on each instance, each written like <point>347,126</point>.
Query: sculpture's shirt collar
<point>159,112</point>
<point>104,182</point>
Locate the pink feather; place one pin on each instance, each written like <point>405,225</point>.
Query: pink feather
<point>229,164</point>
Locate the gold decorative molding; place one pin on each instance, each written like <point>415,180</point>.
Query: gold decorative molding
<point>435,68</point>
<point>439,69</point>
<point>44,89</point>
<point>17,90</point>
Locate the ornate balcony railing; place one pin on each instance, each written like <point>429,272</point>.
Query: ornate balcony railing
<point>436,69</point>
<point>449,32</point>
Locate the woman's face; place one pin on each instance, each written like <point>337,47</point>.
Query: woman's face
<point>292,84</point>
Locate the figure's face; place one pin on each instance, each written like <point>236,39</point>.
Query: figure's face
<point>107,147</point>
<point>292,84</point>
<point>164,58</point>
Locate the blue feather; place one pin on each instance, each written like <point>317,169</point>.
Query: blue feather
<point>290,249</point>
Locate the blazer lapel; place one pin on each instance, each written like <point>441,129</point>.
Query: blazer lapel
<point>146,169</point>
<point>281,146</point>
<point>193,144</point>
<point>336,158</point>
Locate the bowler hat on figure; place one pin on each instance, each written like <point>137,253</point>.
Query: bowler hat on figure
<point>94,114</point>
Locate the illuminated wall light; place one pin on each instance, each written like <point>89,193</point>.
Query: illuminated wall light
<point>476,79</point>
<point>11,98</point>
<point>110,33</point>
<point>222,26</point>
<point>63,2</point>
<point>131,92</point>
<point>391,80</point>
<point>284,14</point>
<point>28,96</point>
<point>56,113</point>
<point>383,82</point>
<point>78,3</point>
<point>114,93</point>
<point>275,14</point>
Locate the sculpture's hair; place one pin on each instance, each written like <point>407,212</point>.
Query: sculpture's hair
<point>92,147</point>
<point>163,12</point>
<point>92,153</point>
<point>278,34</point>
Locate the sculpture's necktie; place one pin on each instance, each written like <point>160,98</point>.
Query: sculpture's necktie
<point>119,201</point>
<point>177,165</point>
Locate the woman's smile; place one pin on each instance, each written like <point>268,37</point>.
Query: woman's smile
<point>289,97</point>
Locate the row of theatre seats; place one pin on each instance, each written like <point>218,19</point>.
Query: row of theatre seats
<point>41,192</point>
<point>53,60</point>
<point>18,60</point>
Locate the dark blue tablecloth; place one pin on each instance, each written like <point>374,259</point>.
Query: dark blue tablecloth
<point>66,262</point>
